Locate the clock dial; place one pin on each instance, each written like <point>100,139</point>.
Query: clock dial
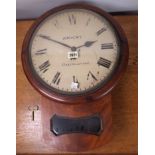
<point>74,51</point>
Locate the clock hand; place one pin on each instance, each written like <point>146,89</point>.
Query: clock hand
<point>87,44</point>
<point>50,39</point>
<point>75,54</point>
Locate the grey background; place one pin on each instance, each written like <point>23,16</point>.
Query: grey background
<point>28,9</point>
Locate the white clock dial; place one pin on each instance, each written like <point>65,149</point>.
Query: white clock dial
<point>74,51</point>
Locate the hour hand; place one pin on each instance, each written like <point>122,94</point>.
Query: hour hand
<point>87,44</point>
<point>50,39</point>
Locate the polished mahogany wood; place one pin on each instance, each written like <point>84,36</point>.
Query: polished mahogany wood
<point>98,101</point>
<point>76,142</point>
<point>124,99</point>
<point>90,96</point>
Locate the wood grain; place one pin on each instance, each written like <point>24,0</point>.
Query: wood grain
<point>124,100</point>
<point>77,142</point>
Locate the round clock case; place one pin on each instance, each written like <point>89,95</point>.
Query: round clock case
<point>95,101</point>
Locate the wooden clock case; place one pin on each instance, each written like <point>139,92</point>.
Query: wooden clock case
<point>96,102</point>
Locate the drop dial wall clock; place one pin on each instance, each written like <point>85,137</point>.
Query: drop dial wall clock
<point>74,55</point>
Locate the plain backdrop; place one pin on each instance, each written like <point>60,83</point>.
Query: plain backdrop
<point>28,9</point>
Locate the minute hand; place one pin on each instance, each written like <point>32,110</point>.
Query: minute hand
<point>50,39</point>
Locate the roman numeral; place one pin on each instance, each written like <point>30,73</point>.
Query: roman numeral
<point>88,21</point>
<point>56,79</point>
<point>56,23</point>
<point>104,62</point>
<point>75,80</point>
<point>92,75</point>
<point>100,31</point>
<point>44,67</point>
<point>107,46</point>
<point>72,19</point>
<point>40,52</point>
<point>75,84</point>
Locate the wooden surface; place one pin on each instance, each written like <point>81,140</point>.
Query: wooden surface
<point>124,102</point>
<point>77,142</point>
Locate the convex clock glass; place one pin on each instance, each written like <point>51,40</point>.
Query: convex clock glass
<point>74,51</point>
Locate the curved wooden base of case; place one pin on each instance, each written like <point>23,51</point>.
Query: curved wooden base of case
<point>76,142</point>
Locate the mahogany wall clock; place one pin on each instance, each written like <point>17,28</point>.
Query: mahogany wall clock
<point>74,55</point>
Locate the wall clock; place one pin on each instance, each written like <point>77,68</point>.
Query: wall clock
<point>74,55</point>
